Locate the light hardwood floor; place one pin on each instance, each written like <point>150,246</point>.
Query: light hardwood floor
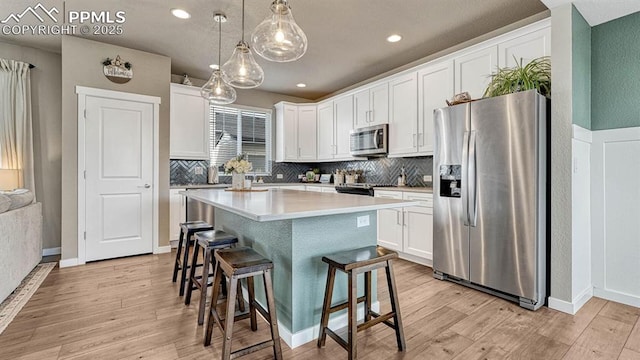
<point>129,309</point>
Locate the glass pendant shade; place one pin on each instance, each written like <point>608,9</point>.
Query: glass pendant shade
<point>217,91</point>
<point>242,70</point>
<point>278,38</point>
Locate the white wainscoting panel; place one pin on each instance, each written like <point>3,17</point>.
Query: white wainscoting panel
<point>581,284</point>
<point>616,215</point>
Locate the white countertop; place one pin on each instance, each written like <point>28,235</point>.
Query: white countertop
<point>282,204</point>
<point>420,189</point>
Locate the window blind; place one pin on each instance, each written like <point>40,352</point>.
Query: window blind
<point>236,131</point>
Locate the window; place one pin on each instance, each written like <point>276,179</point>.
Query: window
<point>234,131</point>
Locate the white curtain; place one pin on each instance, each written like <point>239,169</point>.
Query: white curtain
<point>16,133</point>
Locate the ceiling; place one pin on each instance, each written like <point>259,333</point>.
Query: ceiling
<point>346,38</point>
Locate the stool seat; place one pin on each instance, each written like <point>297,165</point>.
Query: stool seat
<point>352,259</point>
<point>215,238</point>
<point>242,260</point>
<point>193,226</point>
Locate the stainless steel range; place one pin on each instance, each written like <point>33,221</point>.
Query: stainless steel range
<point>359,188</point>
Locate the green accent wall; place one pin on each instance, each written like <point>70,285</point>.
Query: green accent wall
<point>615,76</point>
<point>581,70</point>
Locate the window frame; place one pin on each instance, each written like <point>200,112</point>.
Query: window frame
<point>268,134</point>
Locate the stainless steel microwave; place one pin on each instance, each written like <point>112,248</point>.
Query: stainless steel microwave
<point>369,141</point>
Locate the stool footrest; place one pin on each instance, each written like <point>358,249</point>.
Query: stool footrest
<point>344,305</point>
<point>251,349</point>
<point>377,318</point>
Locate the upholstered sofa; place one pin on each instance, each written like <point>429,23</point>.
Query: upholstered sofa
<point>20,245</point>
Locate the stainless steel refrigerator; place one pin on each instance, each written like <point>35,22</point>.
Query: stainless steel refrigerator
<point>490,200</point>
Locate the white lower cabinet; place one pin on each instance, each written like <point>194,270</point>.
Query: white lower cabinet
<point>408,230</point>
<point>177,213</point>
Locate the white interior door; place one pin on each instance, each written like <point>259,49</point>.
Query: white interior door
<point>119,178</point>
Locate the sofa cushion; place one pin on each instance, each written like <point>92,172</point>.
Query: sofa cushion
<point>20,198</point>
<point>5,203</point>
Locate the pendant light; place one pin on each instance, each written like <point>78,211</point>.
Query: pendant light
<point>242,70</point>
<point>216,90</point>
<point>278,38</point>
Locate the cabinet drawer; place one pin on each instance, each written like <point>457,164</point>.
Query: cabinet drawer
<point>388,194</point>
<point>424,199</point>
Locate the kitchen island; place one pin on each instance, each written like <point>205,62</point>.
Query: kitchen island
<point>295,229</point>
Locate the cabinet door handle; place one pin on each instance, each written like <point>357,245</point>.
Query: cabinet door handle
<point>405,223</point>
<point>371,116</point>
<point>398,217</point>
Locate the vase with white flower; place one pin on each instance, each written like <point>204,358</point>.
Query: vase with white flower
<point>237,167</point>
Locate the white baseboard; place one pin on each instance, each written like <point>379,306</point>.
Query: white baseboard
<point>51,251</point>
<point>617,297</point>
<point>162,249</point>
<point>310,334</point>
<point>69,262</point>
<point>572,307</point>
<point>174,243</point>
<point>416,259</point>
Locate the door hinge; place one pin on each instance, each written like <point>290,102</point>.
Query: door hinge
<point>85,114</point>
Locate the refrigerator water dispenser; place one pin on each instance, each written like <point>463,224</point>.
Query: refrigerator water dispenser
<point>451,181</point>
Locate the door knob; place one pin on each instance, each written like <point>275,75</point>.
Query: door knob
<point>146,186</point>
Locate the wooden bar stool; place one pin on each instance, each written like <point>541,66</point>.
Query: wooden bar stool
<point>187,230</point>
<point>237,264</point>
<point>354,262</point>
<point>209,241</point>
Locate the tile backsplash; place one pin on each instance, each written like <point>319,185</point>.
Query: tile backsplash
<point>376,170</point>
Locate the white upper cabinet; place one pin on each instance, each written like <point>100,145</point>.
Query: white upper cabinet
<point>435,86</point>
<point>406,101</point>
<point>371,106</point>
<point>286,132</point>
<point>326,132</point>
<point>189,123</point>
<point>403,119</point>
<point>295,132</point>
<point>343,107</point>
<point>525,48</point>
<point>335,121</point>
<point>473,71</point>
<point>307,132</point>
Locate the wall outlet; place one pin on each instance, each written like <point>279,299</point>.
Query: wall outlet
<point>198,170</point>
<point>363,221</point>
<point>427,178</point>
<point>279,176</point>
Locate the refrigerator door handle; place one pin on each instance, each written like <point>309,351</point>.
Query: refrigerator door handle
<point>465,177</point>
<point>473,199</point>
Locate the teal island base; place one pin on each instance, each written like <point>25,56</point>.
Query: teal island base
<point>296,247</point>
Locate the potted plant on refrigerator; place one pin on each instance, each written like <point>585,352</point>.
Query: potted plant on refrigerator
<point>534,75</point>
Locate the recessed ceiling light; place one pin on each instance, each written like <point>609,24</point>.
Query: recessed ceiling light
<point>214,66</point>
<point>180,14</point>
<point>394,38</point>
<point>301,85</point>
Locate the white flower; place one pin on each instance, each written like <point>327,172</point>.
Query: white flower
<point>237,165</point>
